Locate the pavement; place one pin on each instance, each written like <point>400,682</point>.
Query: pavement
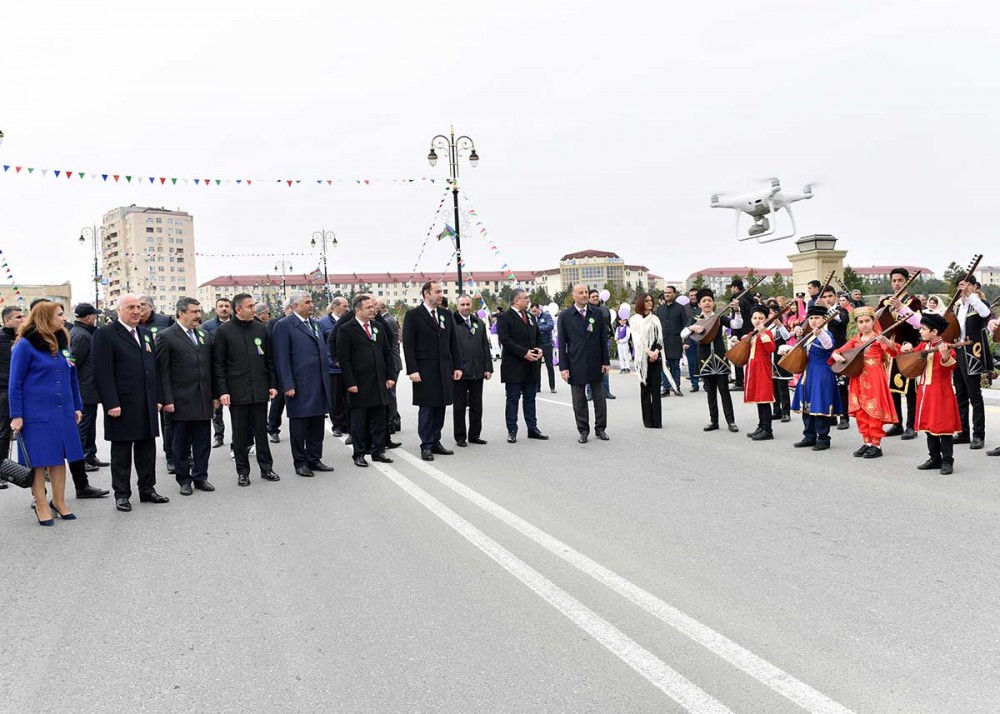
<point>662,571</point>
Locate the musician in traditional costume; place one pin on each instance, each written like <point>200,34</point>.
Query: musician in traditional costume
<point>937,407</point>
<point>758,386</point>
<point>816,395</point>
<point>779,376</point>
<point>838,330</point>
<point>869,400</point>
<point>974,360</point>
<point>906,306</point>
<point>713,367</point>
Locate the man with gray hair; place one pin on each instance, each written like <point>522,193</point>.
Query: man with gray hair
<point>301,363</point>
<point>520,364</point>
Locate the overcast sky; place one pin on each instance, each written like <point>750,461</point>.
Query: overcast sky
<point>598,125</point>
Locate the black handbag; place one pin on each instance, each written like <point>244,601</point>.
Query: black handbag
<point>15,473</point>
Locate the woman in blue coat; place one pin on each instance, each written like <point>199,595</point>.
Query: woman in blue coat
<point>45,405</point>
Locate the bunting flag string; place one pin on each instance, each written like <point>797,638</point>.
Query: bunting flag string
<point>253,255</point>
<point>137,179</point>
<point>485,235</point>
<point>427,236</point>
<point>9,276</point>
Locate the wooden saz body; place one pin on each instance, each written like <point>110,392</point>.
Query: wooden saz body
<point>711,327</point>
<point>796,359</point>
<point>739,354</point>
<point>854,363</point>
<point>911,365</point>
<point>954,329</point>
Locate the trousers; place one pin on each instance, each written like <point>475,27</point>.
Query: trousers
<point>468,395</point>
<point>122,452</point>
<point>816,428</point>
<point>649,396</point>
<point>582,412</point>
<point>250,425</point>
<point>547,354</point>
<point>274,413</point>
<point>969,392</point>
<point>717,389</point>
<point>306,436</point>
<point>191,448</point>
<point>764,418</point>
<point>869,427</point>
<point>368,430</point>
<point>941,448</point>
<point>430,421</point>
<point>88,432</point>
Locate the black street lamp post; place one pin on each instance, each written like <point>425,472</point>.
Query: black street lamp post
<point>285,266</point>
<point>455,148</point>
<point>324,237</point>
<point>93,233</point>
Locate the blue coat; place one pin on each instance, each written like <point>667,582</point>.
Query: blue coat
<point>817,392</point>
<point>301,363</point>
<point>44,391</point>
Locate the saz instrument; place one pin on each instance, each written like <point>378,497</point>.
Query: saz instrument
<point>796,359</point>
<point>954,329</point>
<point>739,354</point>
<point>854,358</point>
<point>712,324</point>
<point>883,316</point>
<point>911,364</point>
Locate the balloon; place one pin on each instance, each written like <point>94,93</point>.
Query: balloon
<point>624,311</point>
<point>482,314</point>
<point>552,308</point>
<point>683,300</point>
<point>605,294</point>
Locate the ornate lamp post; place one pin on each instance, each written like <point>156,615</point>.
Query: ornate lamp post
<point>324,238</point>
<point>285,267</point>
<point>455,149</point>
<point>93,233</point>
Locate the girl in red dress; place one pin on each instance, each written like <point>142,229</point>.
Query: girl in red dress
<point>869,399</point>
<point>937,406</point>
<point>758,388</point>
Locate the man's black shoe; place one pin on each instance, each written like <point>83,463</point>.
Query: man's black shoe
<point>441,451</point>
<point>381,458</point>
<point>337,431</point>
<point>733,428</point>
<point>694,388</point>
<point>737,387</point>
<point>186,489</point>
<point>803,444</point>
<point>754,433</point>
<point>894,430</point>
<point>171,469</point>
<point>609,395</point>
<point>91,492</point>
<point>511,437</point>
<point>602,435</point>
<point>303,471</point>
<point>582,439</point>
<point>477,441</point>
<point>664,392</point>
<point>242,479</point>
<point>123,505</point>
<point>946,468</point>
<point>461,442</point>
<point>90,468</point>
<point>678,393</point>
<point>785,418</point>
<point>348,441</point>
<point>535,434</point>
<point>908,434</point>
<point>763,436</point>
<point>320,466</point>
<point>426,455</point>
<point>359,460</point>
<point>98,463</point>
<point>274,438</point>
<point>269,475</point>
<point>204,486</point>
<point>976,444</point>
<point>152,497</point>
<point>994,452</point>
<point>390,444</point>
<point>217,443</point>
<point>930,465</point>
<point>711,427</point>
<point>961,439</point>
<point>845,423</point>
<point>821,447</point>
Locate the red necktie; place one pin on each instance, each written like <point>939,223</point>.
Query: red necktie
<point>368,331</point>
<point>524,317</point>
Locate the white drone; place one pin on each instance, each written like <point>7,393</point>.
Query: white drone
<point>758,204</point>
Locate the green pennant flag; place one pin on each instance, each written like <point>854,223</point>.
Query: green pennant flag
<point>173,181</point>
<point>129,179</point>
<point>218,181</point>
<point>31,170</point>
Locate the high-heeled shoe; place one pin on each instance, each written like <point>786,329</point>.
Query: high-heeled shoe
<point>49,522</point>
<point>64,516</point>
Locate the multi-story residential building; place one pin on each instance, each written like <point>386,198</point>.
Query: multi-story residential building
<point>61,293</point>
<point>148,251</point>
<point>989,274</point>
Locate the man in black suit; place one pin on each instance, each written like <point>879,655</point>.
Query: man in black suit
<point>126,380</point>
<point>673,319</point>
<point>223,314</point>
<point>520,364</point>
<point>244,381</point>
<point>382,311</point>
<point>184,363</point>
<point>364,351</point>
<point>81,337</point>
<point>476,365</point>
<point>584,359</point>
<point>432,358</point>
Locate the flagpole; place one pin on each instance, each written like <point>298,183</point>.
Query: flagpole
<point>455,148</point>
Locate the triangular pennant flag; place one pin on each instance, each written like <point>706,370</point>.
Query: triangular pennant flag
<point>218,181</point>
<point>104,176</point>
<point>17,169</point>
<point>151,179</point>
<point>57,172</point>
<point>116,177</point>
<point>249,181</point>
<point>206,181</point>
<point>81,174</point>
<point>45,172</point>
<point>289,183</point>
<point>163,180</point>
<point>129,179</point>
<point>173,181</point>
<point>329,182</point>
<point>196,181</point>
<point>366,182</point>
<point>6,168</point>
<point>69,174</point>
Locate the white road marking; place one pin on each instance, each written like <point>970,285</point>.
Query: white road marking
<point>674,685</point>
<point>763,671</point>
<point>553,401</point>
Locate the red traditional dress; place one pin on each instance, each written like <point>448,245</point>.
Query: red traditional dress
<point>869,398</point>
<point>937,406</point>
<point>758,387</point>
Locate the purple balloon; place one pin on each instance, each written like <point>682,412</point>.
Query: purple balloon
<point>624,311</point>
<point>482,314</point>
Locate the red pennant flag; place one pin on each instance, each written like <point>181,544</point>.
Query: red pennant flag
<point>329,182</point>
<point>289,183</point>
<point>366,182</point>
<point>163,180</point>
<point>115,177</point>
<point>17,169</point>
<point>69,174</point>
<point>249,181</point>
<point>205,181</point>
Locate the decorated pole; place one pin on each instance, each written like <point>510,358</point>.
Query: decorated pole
<point>454,147</point>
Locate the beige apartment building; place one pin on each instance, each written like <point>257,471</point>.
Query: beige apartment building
<point>148,251</point>
<point>61,293</point>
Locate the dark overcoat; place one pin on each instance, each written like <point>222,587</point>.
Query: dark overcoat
<point>431,349</point>
<point>473,346</point>
<point>583,349</point>
<point>673,319</point>
<point>363,363</point>
<point>81,338</point>
<point>302,363</point>
<point>243,365</point>
<point>185,371</point>
<point>516,338</point>
<point>125,376</point>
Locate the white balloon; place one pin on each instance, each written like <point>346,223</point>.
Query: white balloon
<point>682,300</point>
<point>552,308</point>
<point>605,294</point>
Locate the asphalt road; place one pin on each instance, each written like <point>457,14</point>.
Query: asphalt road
<point>663,571</point>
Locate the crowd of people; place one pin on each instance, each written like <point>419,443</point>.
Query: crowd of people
<point>165,377</point>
